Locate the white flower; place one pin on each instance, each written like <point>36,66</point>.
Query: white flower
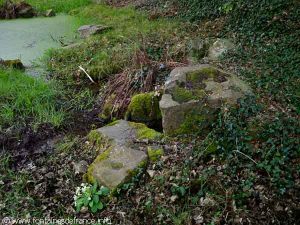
<point>78,191</point>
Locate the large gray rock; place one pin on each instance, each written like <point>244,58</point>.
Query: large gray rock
<point>120,156</point>
<point>89,30</point>
<point>194,94</point>
<point>219,48</point>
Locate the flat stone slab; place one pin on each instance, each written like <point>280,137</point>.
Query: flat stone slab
<point>120,157</point>
<point>121,161</point>
<point>193,95</point>
<point>86,31</point>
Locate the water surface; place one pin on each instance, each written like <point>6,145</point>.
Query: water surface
<point>27,39</point>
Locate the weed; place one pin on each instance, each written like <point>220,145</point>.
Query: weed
<point>90,196</point>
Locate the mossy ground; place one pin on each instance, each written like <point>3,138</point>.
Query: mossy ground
<point>155,154</point>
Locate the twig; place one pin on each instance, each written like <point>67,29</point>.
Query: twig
<point>91,79</point>
<point>245,156</point>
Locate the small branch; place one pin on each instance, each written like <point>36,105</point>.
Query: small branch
<point>91,79</point>
<point>245,156</point>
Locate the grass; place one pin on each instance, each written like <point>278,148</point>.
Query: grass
<point>113,50</point>
<point>58,6</point>
<point>27,100</point>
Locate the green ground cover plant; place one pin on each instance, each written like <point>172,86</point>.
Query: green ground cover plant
<point>25,100</point>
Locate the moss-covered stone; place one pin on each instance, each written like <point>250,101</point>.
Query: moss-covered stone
<point>143,132</point>
<point>144,108</point>
<point>88,177</point>
<point>112,167</point>
<point>155,154</point>
<point>193,96</point>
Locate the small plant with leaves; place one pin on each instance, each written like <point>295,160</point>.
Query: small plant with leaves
<point>90,196</point>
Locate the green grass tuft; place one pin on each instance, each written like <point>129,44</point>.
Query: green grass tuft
<point>26,100</point>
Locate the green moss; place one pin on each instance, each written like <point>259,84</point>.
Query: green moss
<point>181,94</point>
<point>197,77</point>
<point>113,123</point>
<point>143,132</point>
<point>144,108</point>
<point>155,154</point>
<point>194,88</point>
<point>198,121</point>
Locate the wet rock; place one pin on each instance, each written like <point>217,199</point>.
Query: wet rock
<point>11,10</point>
<point>24,10</point>
<point>193,95</point>
<point>120,156</point>
<point>219,48</point>
<point>15,63</point>
<point>49,13</point>
<point>89,30</point>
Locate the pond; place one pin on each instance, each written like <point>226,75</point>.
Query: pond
<point>28,39</point>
